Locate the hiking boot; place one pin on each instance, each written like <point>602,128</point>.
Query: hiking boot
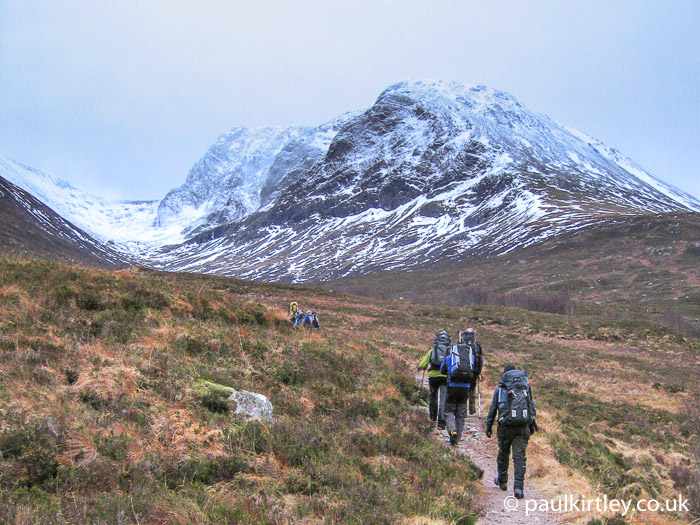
<point>518,488</point>
<point>502,484</point>
<point>441,425</point>
<point>454,440</point>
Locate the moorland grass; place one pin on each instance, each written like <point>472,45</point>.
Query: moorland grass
<point>101,419</point>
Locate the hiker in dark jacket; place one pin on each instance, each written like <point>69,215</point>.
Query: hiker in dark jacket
<point>437,381</point>
<point>512,402</point>
<point>468,336</point>
<point>457,395</point>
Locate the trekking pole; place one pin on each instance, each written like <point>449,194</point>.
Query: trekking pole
<point>420,391</point>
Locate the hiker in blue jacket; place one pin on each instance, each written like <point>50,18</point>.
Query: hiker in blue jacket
<point>458,366</point>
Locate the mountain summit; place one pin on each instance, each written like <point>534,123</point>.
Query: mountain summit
<point>433,171</point>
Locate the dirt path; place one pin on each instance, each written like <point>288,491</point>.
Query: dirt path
<point>482,452</point>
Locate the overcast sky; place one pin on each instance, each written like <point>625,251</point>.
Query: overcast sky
<point>121,97</point>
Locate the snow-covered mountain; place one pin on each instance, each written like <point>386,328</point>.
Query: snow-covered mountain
<point>432,171</point>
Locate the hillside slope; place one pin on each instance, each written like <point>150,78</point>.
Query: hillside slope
<point>102,419</point>
<point>29,228</point>
<point>128,225</point>
<point>643,265</point>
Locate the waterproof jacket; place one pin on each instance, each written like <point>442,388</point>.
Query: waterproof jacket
<point>425,363</point>
<point>493,411</point>
<point>449,360</point>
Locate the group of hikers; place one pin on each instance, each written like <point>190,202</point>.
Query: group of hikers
<point>299,318</point>
<point>454,374</point>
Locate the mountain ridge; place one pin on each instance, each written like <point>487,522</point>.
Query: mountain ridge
<point>428,161</point>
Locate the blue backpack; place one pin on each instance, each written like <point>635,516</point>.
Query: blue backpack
<point>460,367</point>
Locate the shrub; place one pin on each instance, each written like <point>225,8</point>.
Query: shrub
<point>33,449</point>
<point>40,465</point>
<point>252,437</point>
<point>206,470</point>
<point>94,400</point>
<point>288,373</point>
<point>71,376</point>
<point>214,402</point>
<point>190,345</point>
<point>112,446</point>
<point>142,298</point>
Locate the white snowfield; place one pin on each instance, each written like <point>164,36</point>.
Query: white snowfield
<point>464,169</point>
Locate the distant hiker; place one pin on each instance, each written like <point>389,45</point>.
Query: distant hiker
<point>311,320</point>
<point>459,368</point>
<point>436,379</point>
<point>299,319</point>
<point>468,337</point>
<point>293,309</point>
<point>512,400</point>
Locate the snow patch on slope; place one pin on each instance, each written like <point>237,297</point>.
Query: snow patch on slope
<point>126,223</point>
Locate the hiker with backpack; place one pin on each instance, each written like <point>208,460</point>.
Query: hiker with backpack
<point>468,337</point>
<point>458,365</point>
<point>299,319</point>
<point>293,309</point>
<point>512,402</point>
<point>311,320</point>
<point>437,380</point>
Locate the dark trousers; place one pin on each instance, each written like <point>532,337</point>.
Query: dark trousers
<point>436,402</point>
<point>513,438</point>
<point>456,409</point>
<point>472,400</point>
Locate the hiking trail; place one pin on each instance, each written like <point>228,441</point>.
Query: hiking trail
<point>482,451</point>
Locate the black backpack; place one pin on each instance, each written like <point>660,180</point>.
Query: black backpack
<point>441,347</point>
<point>314,320</point>
<point>478,352</point>
<point>463,370</point>
<point>515,406</point>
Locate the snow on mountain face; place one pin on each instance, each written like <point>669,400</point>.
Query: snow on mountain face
<point>419,137</point>
<point>29,227</point>
<point>432,171</point>
<point>128,224</point>
<point>241,172</point>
